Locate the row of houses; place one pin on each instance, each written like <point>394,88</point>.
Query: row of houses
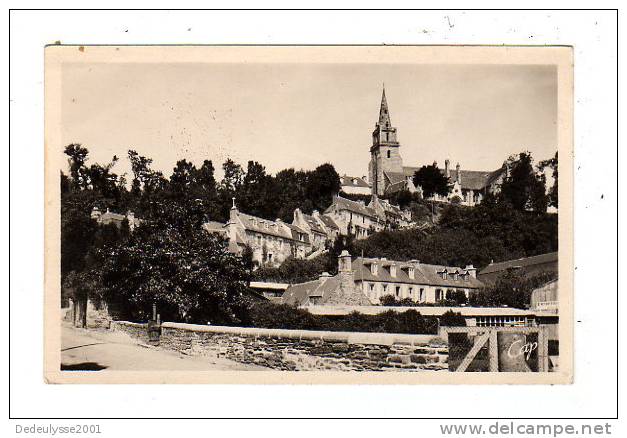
<point>367,280</point>
<point>273,241</point>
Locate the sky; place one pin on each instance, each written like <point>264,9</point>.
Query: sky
<point>303,115</point>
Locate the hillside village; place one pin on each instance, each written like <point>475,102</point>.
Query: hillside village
<point>480,244</point>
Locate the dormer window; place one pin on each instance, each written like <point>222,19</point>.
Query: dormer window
<point>393,270</point>
<point>374,269</point>
<point>411,273</point>
<point>444,275</point>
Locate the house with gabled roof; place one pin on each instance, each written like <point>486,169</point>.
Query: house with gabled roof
<point>271,241</point>
<point>374,278</point>
<point>354,217</point>
<point>355,185</point>
<point>530,266</point>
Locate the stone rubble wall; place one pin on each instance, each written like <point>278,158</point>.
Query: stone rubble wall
<point>301,350</point>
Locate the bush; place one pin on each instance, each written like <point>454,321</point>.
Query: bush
<point>452,319</point>
<point>282,316</point>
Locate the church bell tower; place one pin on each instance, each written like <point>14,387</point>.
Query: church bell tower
<point>384,152</point>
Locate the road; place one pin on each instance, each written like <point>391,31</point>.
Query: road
<point>96,350</point>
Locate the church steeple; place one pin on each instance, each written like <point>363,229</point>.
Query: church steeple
<point>384,152</point>
<point>384,113</point>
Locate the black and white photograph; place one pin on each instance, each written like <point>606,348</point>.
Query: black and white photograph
<point>363,214</point>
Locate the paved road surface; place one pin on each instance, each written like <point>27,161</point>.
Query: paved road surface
<point>83,349</point>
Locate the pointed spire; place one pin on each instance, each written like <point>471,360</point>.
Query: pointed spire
<point>384,114</point>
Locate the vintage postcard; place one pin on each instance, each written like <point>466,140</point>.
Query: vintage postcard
<point>314,214</point>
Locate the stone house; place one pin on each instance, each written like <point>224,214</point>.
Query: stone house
<point>374,278</point>
<point>109,217</point>
<point>355,185</point>
<point>271,242</point>
<point>390,214</point>
<point>315,229</point>
<point>354,217</point>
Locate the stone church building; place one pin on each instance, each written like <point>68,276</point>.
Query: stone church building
<point>388,175</point>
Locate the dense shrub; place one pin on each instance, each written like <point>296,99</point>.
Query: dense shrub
<point>270,315</point>
<point>452,319</point>
<point>511,289</point>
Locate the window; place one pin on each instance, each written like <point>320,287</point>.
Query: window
<point>411,272</point>
<point>388,152</point>
<point>270,257</point>
<point>422,294</point>
<point>373,269</point>
<point>385,288</point>
<point>438,294</point>
<point>393,271</point>
<point>411,292</point>
<point>398,291</point>
<point>371,286</point>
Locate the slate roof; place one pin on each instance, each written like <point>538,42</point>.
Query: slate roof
<point>264,226</point>
<point>354,206</point>
<point>471,179</point>
<point>424,274</point>
<point>214,226</point>
<point>353,181</point>
<point>329,222</point>
<point>298,294</point>
<point>550,257</point>
<point>396,177</point>
<point>294,230</point>
<point>313,224</point>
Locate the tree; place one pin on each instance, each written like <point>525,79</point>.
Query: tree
<point>524,188</point>
<point>77,158</point>
<point>513,288</point>
<point>432,181</point>
<point>188,274</point>
<point>322,184</point>
<point>552,164</point>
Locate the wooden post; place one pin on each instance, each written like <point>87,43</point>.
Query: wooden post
<point>543,350</point>
<point>494,352</point>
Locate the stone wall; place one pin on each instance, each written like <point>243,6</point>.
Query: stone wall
<point>301,350</point>
<point>133,329</point>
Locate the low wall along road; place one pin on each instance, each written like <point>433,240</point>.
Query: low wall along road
<point>301,350</point>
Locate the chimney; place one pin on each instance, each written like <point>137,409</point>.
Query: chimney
<point>324,277</point>
<point>297,214</point>
<point>345,271</point>
<point>459,173</point>
<point>234,212</point>
<point>344,262</point>
<point>95,213</point>
<point>471,270</point>
<point>447,170</point>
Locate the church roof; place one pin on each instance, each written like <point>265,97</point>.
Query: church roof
<point>471,179</point>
